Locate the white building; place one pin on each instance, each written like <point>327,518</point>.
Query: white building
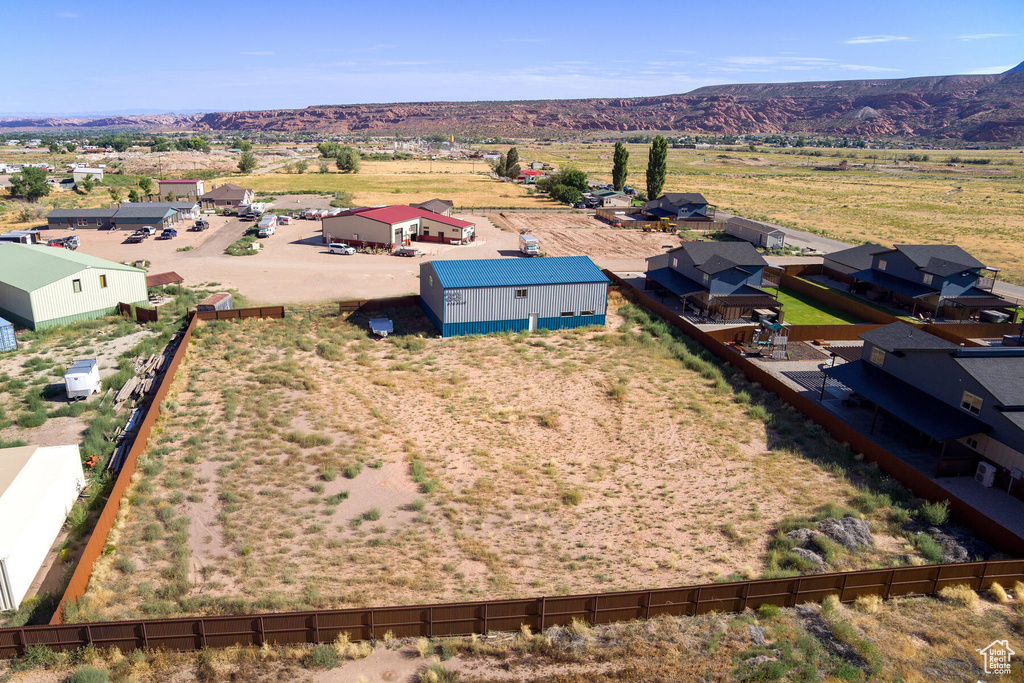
<point>38,487</point>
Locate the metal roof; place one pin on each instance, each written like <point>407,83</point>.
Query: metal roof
<point>511,272</point>
<point>81,213</point>
<point>31,266</point>
<point>145,210</point>
<point>160,279</point>
<point>755,226</point>
<point>920,410</point>
<point>900,336</point>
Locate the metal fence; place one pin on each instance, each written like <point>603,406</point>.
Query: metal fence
<point>236,313</point>
<point>83,570</point>
<point>142,315</point>
<point>463,619</point>
<point>373,305</point>
<point>983,526</point>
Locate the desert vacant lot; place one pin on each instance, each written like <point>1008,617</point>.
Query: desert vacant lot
<point>304,464</point>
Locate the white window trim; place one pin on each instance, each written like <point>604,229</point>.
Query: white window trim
<point>881,356</point>
<point>967,402</point>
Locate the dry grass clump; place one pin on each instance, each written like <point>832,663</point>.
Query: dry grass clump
<point>349,650</point>
<point>960,594</point>
<point>869,604</point>
<point>998,593</point>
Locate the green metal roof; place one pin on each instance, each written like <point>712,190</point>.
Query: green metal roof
<point>31,266</point>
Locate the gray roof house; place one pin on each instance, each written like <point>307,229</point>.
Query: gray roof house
<point>721,279</point>
<point>935,279</point>
<point>80,218</point>
<point>440,206</point>
<point>155,214</point>
<point>968,401</point>
<point>846,261</point>
<point>679,205</point>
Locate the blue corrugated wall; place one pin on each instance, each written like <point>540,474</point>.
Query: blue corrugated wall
<point>490,326</point>
<point>430,313</point>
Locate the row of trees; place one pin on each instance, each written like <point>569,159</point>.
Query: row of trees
<point>507,165</point>
<point>345,158</point>
<point>657,166</point>
<point>566,186</point>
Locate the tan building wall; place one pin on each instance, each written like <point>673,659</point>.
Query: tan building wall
<point>617,200</point>
<point>436,231</point>
<point>361,231</point>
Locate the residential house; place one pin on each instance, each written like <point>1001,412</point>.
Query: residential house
<point>445,207</point>
<point>529,176</point>
<point>721,280</point>
<point>182,189</point>
<point>81,218</point>
<point>934,279</point>
<point>839,265</point>
<point>227,196</point>
<point>758,234</point>
<point>44,287</point>
<point>389,227</point>
<point>132,216</point>
<point>480,296</point>
<point>679,206</point>
<point>967,402</point>
<point>612,198</point>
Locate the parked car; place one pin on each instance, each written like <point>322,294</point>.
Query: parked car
<point>136,237</point>
<point>407,251</point>
<point>340,249</point>
<point>200,225</point>
<point>168,233</point>
<point>72,242</point>
<point>149,230</point>
<point>227,212</point>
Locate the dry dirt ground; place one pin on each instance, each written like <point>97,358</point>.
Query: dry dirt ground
<point>309,465</point>
<point>570,234</point>
<point>917,640</point>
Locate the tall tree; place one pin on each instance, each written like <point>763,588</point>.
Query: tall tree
<point>498,166</point>
<point>619,166</point>
<point>347,160</point>
<point>30,184</point>
<point>246,162</point>
<point>657,167</point>
<point>146,185</point>
<point>133,195</point>
<point>86,184</point>
<point>512,164</point>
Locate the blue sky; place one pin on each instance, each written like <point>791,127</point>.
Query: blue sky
<point>63,57</point>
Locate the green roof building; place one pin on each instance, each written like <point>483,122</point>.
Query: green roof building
<point>46,286</point>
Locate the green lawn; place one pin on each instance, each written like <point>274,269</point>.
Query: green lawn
<point>801,309</point>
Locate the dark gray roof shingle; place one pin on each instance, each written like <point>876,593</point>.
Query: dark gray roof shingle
<point>714,257</point>
<point>858,258</point>
<point>900,336</point>
<point>938,255</point>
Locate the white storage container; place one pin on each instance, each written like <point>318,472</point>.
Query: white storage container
<point>82,380</point>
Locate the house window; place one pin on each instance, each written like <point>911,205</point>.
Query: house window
<point>877,355</point>
<point>568,314</point>
<point>706,278</point>
<point>103,281</point>
<point>520,293</point>
<point>971,442</point>
<point>82,222</point>
<point>586,313</point>
<point>881,265</point>
<point>76,286</point>
<point>431,280</point>
<point>675,263</point>
<point>426,232</point>
<point>971,403</point>
<point>927,279</point>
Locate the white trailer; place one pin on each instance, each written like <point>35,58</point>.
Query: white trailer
<point>528,245</point>
<point>38,487</point>
<point>82,379</point>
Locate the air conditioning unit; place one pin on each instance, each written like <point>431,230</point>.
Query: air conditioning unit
<point>985,475</point>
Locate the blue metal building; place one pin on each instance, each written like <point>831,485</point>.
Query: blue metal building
<point>515,294</point>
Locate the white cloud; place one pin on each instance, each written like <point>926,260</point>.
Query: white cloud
<point>786,62</point>
<point>991,70</point>
<point>261,53</point>
<point>861,40</point>
<point>861,67</point>
<point>984,36</point>
<point>68,15</point>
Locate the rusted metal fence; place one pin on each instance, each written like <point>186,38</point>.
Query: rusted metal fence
<point>94,547</point>
<point>143,315</point>
<point>236,313</point>
<point>836,300</point>
<point>983,526</point>
<point>463,619</point>
<point>374,305</point>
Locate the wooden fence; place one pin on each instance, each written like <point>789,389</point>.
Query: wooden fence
<point>983,526</point>
<point>98,539</point>
<point>463,619</point>
<point>236,313</point>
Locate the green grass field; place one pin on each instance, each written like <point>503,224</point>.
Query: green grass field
<point>801,309</point>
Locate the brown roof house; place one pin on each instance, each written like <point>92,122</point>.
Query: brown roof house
<point>227,195</point>
<point>441,206</point>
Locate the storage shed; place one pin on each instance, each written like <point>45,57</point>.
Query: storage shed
<point>480,296</point>
<point>7,340</point>
<point>44,287</point>
<point>758,234</point>
<point>38,486</point>
<point>221,301</point>
<point>82,379</point>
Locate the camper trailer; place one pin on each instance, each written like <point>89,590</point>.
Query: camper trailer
<point>82,379</point>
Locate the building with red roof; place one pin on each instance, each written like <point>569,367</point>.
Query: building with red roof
<point>389,227</point>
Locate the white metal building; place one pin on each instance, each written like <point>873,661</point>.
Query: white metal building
<point>38,486</point>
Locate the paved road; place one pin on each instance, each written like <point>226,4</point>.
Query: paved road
<point>803,240</point>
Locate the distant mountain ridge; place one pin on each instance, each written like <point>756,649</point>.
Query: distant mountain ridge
<point>976,108</point>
